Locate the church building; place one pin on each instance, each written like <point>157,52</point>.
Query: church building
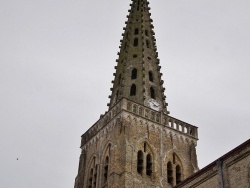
<point>136,143</point>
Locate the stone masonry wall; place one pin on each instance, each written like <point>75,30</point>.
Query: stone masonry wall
<point>118,136</point>
<point>230,171</point>
<point>162,144</point>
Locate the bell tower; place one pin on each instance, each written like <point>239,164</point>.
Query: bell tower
<point>136,143</point>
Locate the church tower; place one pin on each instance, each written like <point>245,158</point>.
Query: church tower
<point>137,144</point>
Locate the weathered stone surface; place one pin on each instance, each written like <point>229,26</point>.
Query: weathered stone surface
<point>121,137</point>
<point>230,171</point>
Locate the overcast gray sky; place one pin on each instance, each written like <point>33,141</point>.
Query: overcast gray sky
<point>56,64</point>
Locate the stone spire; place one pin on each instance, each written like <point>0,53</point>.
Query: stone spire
<point>137,75</point>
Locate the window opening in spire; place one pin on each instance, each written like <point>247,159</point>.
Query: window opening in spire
<point>152,92</point>
<point>135,56</point>
<point>150,75</point>
<point>149,165</point>
<point>170,173</point>
<point>138,5</point>
<point>136,31</point>
<point>106,168</point>
<point>139,162</point>
<point>136,42</point>
<point>146,32</point>
<point>145,146</point>
<point>133,90</point>
<point>148,43</point>
<point>134,73</point>
<point>178,174</point>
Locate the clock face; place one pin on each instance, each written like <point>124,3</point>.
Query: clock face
<point>154,104</point>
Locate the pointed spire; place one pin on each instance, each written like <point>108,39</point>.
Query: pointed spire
<point>137,75</point>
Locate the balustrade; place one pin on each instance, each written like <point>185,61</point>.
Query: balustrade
<point>158,117</point>
<point>143,111</point>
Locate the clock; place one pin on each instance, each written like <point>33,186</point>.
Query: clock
<point>153,104</point>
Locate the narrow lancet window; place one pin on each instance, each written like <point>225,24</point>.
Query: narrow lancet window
<point>149,165</point>
<point>150,75</point>
<point>170,173</point>
<point>133,90</point>
<point>136,31</point>
<point>138,5</point>
<point>140,162</point>
<point>178,174</point>
<point>106,169</point>
<point>152,93</point>
<point>95,176</point>
<point>148,43</point>
<point>136,42</point>
<point>134,73</point>
<point>90,178</point>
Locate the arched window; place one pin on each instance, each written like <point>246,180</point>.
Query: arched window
<point>149,165</point>
<point>133,90</point>
<point>152,93</point>
<point>148,43</point>
<point>178,174</point>
<point>170,173</point>
<point>146,32</point>
<point>138,5</point>
<point>91,177</point>
<point>106,169</point>
<point>150,75</point>
<point>136,31</point>
<point>134,73</point>
<point>140,162</point>
<point>95,176</point>
<point>136,42</point>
